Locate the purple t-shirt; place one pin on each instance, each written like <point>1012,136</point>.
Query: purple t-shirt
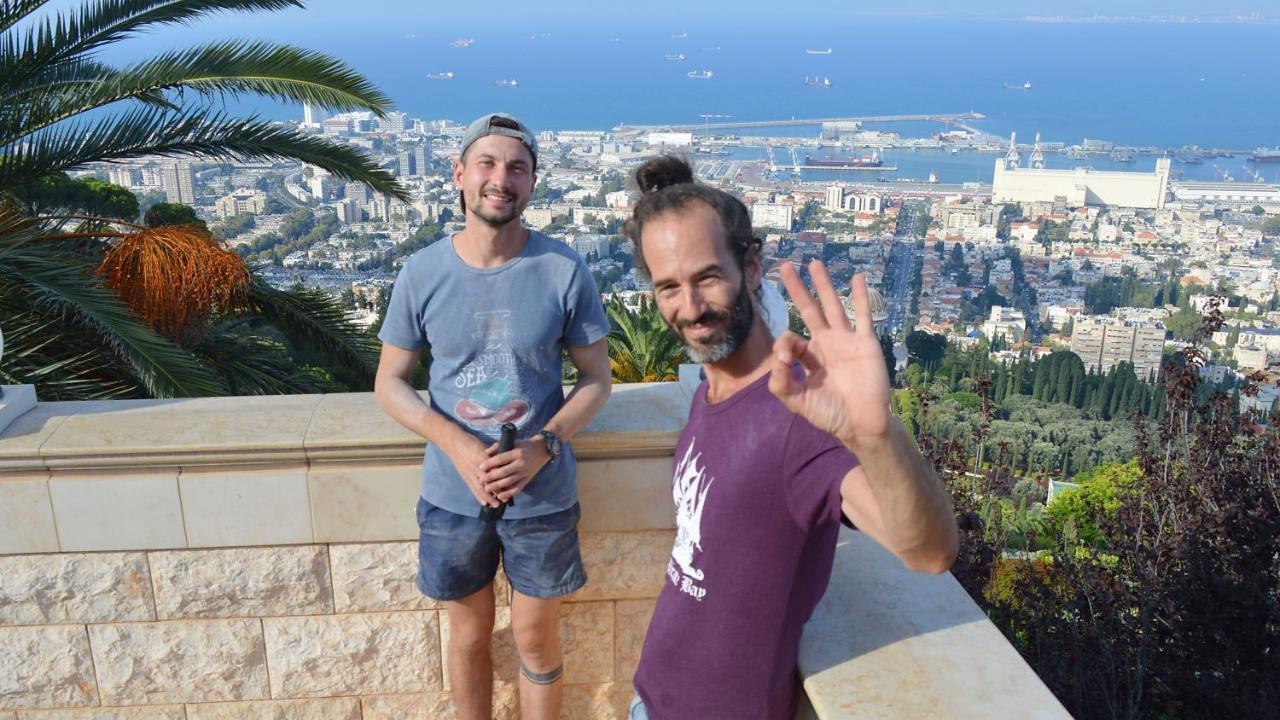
<point>757,494</point>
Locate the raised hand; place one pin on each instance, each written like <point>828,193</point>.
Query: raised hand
<point>845,388</point>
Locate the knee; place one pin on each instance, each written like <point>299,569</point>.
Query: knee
<point>539,644</point>
<point>470,635</point>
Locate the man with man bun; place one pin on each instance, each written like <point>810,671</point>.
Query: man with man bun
<point>785,437</point>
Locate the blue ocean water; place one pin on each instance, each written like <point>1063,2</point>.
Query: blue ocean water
<point>1136,84</point>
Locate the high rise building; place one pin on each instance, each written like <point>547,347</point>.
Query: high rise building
<point>835,197</point>
<point>179,181</point>
<point>406,164</point>
<point>357,191</point>
<point>1104,342</point>
<point>313,116</point>
<point>421,158</point>
<point>395,122</point>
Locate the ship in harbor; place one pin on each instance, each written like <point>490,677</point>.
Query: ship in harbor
<point>819,52</point>
<point>850,163</point>
<point>680,35</point>
<point>440,76</point>
<point>1015,86</point>
<point>700,74</point>
<point>463,42</point>
<point>1266,155</point>
<point>815,81</point>
<point>1124,155</point>
<point>506,83</point>
<point>677,57</point>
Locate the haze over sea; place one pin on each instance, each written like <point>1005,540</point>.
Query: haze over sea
<point>1212,85</point>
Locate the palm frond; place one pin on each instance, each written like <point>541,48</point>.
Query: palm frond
<point>229,68</point>
<point>12,11</point>
<point>64,38</point>
<point>65,366</point>
<point>201,133</point>
<point>255,365</point>
<point>314,321</point>
<point>60,282</point>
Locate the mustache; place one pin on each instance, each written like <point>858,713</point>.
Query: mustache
<point>706,317</point>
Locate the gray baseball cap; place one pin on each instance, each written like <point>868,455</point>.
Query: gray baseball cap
<point>486,125</point>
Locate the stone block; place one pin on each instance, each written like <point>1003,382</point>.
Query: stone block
<point>624,565</point>
<point>360,654</point>
<point>586,633</point>
<point>226,506</point>
<point>436,706</point>
<point>242,582</point>
<point>74,588</point>
<point>117,510</point>
<point>626,494</point>
<point>347,708</point>
<point>180,662</point>
<point>630,623</point>
<point>141,712</point>
<point>603,701</point>
<point>376,577</point>
<point>26,514</point>
<point>364,503</point>
<point>46,667</point>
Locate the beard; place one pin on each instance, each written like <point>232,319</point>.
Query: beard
<point>496,218</point>
<point>735,324</point>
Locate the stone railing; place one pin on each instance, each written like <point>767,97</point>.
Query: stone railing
<point>254,558</point>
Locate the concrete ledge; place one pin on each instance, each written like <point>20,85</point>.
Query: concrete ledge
<point>886,642</point>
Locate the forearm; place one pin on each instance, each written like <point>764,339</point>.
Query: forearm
<point>398,399</point>
<point>584,401</point>
<point>918,523</point>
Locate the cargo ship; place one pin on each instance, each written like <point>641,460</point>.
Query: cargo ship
<point>819,52</point>
<point>866,161</point>
<point>463,42</point>
<point>506,83</point>
<point>816,81</point>
<point>677,57</point>
<point>1013,86</point>
<point>700,74</point>
<point>1266,155</point>
<point>440,76</point>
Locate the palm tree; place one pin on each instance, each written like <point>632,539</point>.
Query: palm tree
<point>95,306</point>
<point>641,346</point>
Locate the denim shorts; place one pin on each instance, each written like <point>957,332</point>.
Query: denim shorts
<point>637,710</point>
<point>458,555</point>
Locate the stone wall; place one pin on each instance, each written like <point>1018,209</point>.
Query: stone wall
<point>255,558</point>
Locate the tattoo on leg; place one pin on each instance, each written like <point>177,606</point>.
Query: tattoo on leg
<point>545,678</point>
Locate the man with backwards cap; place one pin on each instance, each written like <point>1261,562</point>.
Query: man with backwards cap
<point>784,439</point>
<point>496,305</point>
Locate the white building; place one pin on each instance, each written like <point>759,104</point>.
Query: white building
<point>313,116</point>
<point>1006,322</point>
<point>1082,186</point>
<point>671,139</point>
<point>773,215</point>
<point>240,201</point>
<point>835,197</point>
<point>1103,342</point>
<point>179,181</point>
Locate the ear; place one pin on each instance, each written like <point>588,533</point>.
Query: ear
<point>457,174</point>
<point>754,270</point>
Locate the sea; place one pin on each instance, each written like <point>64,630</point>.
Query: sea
<point>1137,84</point>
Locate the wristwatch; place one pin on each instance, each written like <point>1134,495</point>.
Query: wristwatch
<point>553,443</point>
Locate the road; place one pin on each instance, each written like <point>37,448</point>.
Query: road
<point>902,260</point>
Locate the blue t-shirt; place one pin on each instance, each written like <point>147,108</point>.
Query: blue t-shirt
<point>497,338</point>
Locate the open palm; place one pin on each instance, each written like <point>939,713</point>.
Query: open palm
<point>845,388</point>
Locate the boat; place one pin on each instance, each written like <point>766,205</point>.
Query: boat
<point>506,83</point>
<point>1265,155</point>
<point>1012,86</point>
<point>677,57</point>
<point>463,42</point>
<point>819,52</point>
<point>865,161</point>
<point>699,74</point>
<point>1123,155</point>
<point>440,76</point>
<point>680,35</point>
<point>815,81</point>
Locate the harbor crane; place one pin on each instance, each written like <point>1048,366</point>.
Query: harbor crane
<point>1037,155</point>
<point>1012,159</point>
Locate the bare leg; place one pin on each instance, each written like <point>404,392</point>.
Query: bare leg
<point>470,666</point>
<point>536,623</point>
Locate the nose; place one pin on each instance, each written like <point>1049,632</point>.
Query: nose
<point>692,305</point>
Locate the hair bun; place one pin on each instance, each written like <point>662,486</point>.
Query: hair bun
<point>662,171</point>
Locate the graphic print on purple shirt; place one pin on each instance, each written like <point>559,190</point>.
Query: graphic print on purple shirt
<point>757,496</point>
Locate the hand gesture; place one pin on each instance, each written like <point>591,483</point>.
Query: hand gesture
<point>468,455</point>
<point>845,388</point>
<point>505,475</point>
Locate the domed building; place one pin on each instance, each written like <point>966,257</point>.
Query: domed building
<point>879,309</point>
